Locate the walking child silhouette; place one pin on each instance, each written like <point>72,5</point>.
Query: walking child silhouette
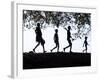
<point>68,39</point>
<point>56,40</point>
<point>39,38</point>
<point>85,43</point>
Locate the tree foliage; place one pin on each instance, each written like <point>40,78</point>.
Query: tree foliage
<point>58,19</point>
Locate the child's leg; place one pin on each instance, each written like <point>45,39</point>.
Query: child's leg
<point>70,44</point>
<point>58,47</point>
<point>36,46</point>
<point>54,48</point>
<point>66,47</point>
<point>86,48</point>
<point>43,47</point>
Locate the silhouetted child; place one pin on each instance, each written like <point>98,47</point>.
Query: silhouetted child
<point>68,39</point>
<point>39,38</point>
<point>56,40</point>
<point>85,43</point>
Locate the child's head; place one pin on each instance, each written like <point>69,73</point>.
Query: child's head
<point>85,38</point>
<point>56,30</point>
<point>38,24</point>
<point>69,27</point>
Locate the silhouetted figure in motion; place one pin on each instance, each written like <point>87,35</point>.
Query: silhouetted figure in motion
<point>85,43</point>
<point>39,38</point>
<point>56,40</point>
<point>68,39</point>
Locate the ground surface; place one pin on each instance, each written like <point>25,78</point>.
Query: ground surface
<point>50,60</point>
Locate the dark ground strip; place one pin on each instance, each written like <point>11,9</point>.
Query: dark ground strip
<point>52,60</point>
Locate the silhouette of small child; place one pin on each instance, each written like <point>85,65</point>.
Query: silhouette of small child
<point>56,40</point>
<point>85,43</point>
<point>39,38</point>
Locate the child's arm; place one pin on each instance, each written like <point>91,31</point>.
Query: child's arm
<point>72,38</point>
<point>87,44</point>
<point>83,44</point>
<point>65,29</point>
